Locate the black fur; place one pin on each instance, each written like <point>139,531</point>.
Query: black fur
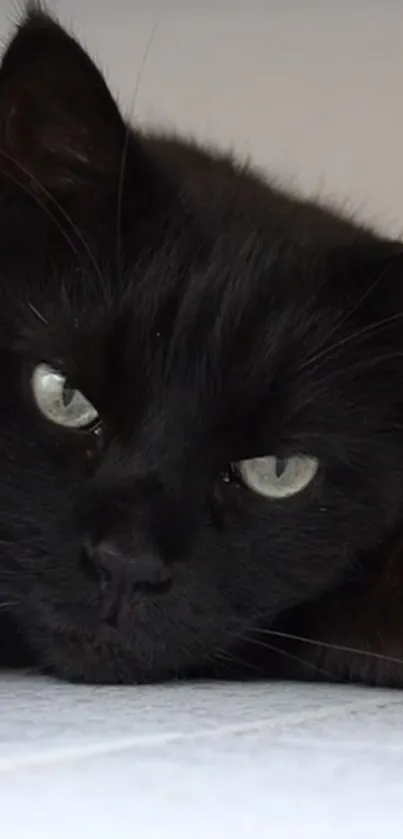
<point>209,318</point>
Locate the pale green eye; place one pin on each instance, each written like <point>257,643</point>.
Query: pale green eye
<point>58,402</point>
<point>277,477</point>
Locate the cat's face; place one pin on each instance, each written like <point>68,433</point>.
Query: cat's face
<point>199,403</point>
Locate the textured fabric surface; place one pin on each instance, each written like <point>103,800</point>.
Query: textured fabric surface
<point>200,760</point>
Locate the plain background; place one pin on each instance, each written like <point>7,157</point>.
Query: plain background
<point>312,89</point>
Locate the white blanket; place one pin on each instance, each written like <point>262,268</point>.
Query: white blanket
<point>280,761</point>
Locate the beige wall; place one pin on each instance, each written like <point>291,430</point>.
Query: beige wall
<point>310,88</point>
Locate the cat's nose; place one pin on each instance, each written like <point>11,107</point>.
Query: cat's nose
<point>145,571</point>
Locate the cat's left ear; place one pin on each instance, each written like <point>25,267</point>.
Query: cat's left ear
<point>59,124</point>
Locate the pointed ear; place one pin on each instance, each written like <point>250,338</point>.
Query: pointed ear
<point>59,124</point>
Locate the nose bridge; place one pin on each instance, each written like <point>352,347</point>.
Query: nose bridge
<point>148,496</point>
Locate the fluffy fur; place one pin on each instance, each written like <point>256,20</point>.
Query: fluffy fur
<point>209,318</point>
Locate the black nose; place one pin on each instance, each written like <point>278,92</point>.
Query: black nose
<point>145,571</point>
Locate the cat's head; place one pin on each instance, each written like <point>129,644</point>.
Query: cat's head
<point>201,415</point>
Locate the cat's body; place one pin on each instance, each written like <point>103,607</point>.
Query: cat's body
<point>201,423</point>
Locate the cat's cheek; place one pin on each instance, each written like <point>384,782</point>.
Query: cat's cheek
<point>77,454</point>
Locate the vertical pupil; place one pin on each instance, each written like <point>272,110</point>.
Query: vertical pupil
<point>280,465</point>
<point>67,395</point>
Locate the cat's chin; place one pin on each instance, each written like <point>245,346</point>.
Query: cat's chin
<point>108,656</point>
<point>95,659</point>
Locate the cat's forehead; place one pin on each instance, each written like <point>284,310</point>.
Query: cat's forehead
<point>221,336</point>
<point>231,296</point>
<point>220,305</point>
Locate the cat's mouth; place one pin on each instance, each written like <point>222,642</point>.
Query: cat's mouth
<point>126,641</point>
<point>120,600</point>
<point>86,658</point>
<point>104,658</point>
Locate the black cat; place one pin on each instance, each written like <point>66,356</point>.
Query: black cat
<point>201,405</point>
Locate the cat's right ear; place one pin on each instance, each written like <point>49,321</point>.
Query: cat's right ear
<point>59,124</point>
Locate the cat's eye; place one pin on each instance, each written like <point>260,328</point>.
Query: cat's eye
<point>278,477</point>
<point>59,402</point>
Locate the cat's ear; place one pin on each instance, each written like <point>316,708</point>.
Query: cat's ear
<point>59,124</point>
